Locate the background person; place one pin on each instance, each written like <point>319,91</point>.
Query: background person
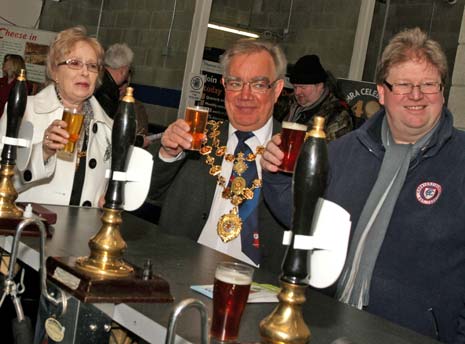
<point>194,199</point>
<point>117,62</point>
<point>400,176</point>
<point>11,68</point>
<point>73,66</point>
<point>315,94</point>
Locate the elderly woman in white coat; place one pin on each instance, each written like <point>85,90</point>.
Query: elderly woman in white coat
<point>73,67</point>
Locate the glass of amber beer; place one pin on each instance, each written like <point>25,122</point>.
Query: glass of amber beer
<point>74,121</point>
<point>230,294</point>
<point>196,117</point>
<point>292,138</point>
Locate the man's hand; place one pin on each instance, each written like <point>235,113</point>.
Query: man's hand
<point>273,156</point>
<point>175,139</point>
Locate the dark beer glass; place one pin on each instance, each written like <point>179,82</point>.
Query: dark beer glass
<point>196,117</point>
<point>230,294</point>
<point>292,138</point>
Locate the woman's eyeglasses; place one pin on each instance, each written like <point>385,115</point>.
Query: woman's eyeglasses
<point>78,64</point>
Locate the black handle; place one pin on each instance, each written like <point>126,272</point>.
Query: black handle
<point>122,137</point>
<point>15,111</point>
<point>308,184</point>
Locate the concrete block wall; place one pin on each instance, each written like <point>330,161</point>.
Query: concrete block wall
<point>323,27</point>
<point>160,53</point>
<point>441,20</point>
<point>457,91</point>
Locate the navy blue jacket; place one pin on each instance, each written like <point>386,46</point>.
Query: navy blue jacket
<point>419,276</point>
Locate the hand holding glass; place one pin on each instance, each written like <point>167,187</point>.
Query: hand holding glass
<point>292,138</point>
<point>196,117</point>
<point>74,121</point>
<point>230,294</point>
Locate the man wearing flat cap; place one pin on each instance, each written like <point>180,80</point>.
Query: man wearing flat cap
<point>314,96</point>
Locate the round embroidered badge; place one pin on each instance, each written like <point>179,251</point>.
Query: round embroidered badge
<point>428,192</point>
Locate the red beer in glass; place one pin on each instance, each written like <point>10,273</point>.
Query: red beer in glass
<point>292,138</point>
<point>230,294</point>
<point>196,117</point>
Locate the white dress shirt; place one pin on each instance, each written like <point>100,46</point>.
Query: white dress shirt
<point>221,206</point>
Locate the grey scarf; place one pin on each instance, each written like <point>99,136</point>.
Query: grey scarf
<point>354,284</point>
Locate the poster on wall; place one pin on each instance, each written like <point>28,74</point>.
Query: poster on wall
<point>213,90</point>
<point>362,97</point>
<point>31,44</point>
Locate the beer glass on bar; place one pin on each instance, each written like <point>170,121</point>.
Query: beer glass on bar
<point>196,117</point>
<point>230,294</point>
<point>74,121</point>
<point>292,138</point>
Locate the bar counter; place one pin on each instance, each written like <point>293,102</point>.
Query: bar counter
<point>184,263</point>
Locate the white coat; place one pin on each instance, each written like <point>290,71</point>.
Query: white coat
<point>52,182</point>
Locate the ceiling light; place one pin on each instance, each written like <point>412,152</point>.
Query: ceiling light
<point>232,30</point>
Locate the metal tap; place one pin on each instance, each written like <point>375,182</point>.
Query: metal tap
<point>180,307</point>
<point>10,287</point>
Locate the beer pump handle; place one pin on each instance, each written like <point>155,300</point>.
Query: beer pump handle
<point>122,137</point>
<point>308,185</point>
<point>15,111</point>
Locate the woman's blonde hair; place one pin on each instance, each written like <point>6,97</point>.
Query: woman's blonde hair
<point>65,42</point>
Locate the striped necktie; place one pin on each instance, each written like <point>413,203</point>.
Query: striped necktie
<point>248,209</point>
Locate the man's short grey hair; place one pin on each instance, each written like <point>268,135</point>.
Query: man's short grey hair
<point>250,46</point>
<point>118,55</point>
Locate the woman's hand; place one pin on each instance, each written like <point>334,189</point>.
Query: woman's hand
<point>55,138</point>
<point>272,158</point>
<point>175,139</point>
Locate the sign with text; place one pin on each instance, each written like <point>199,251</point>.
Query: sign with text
<point>31,44</point>
<point>213,91</point>
<point>362,97</point>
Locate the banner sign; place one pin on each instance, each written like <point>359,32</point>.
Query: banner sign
<point>362,97</point>
<point>31,44</point>
<point>213,90</point>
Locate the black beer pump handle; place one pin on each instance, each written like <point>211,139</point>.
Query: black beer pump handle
<point>15,111</point>
<point>123,136</point>
<point>308,185</point>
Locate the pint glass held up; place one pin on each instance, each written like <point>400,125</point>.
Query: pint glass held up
<point>292,138</point>
<point>74,121</point>
<point>230,294</point>
<point>196,117</point>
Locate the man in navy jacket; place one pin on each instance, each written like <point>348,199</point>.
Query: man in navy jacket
<point>401,177</point>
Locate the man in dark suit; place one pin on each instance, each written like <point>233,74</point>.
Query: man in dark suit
<point>214,196</point>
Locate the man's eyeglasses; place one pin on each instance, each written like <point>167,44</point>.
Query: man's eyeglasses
<point>256,86</point>
<point>78,64</point>
<point>407,87</point>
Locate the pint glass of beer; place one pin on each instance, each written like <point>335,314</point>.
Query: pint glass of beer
<point>74,120</point>
<point>196,117</point>
<point>292,137</point>
<point>230,294</point>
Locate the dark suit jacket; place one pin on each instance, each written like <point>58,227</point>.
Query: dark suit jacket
<point>186,189</point>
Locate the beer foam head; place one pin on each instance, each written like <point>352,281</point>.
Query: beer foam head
<point>233,277</point>
<point>294,126</point>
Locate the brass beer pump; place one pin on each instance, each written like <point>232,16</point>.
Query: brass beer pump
<point>107,246</point>
<point>104,276</point>
<point>286,323</point>
<point>15,109</point>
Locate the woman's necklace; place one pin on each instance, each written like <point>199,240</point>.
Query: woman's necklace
<point>230,225</point>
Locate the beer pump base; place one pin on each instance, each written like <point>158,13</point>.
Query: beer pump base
<point>286,325</point>
<point>92,288</point>
<point>8,224</point>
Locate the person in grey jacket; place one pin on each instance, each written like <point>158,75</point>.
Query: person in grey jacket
<point>401,178</point>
